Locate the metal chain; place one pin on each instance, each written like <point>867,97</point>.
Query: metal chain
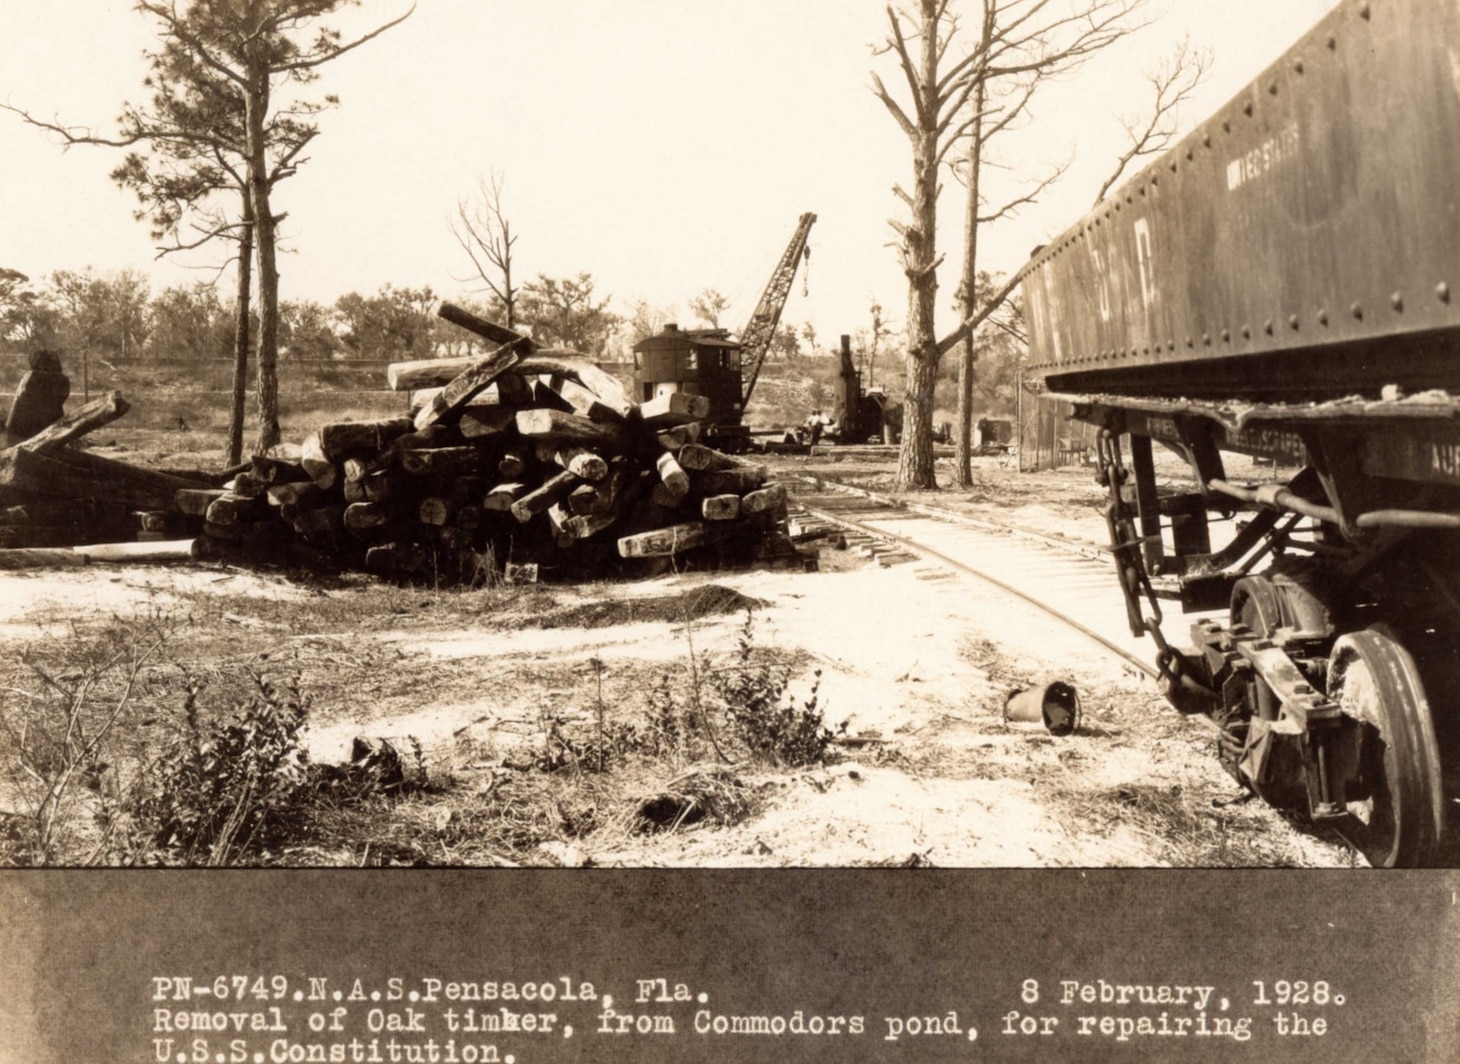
<point>1130,565</point>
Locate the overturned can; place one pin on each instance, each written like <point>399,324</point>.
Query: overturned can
<point>1055,705</point>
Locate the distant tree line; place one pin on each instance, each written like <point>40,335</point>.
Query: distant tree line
<point>118,316</point>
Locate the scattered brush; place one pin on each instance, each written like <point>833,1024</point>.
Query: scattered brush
<point>1188,831</point>
<point>68,720</point>
<point>706,794</point>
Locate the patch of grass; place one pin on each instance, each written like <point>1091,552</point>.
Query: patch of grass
<point>681,607</point>
<point>1188,829</point>
<point>771,726</point>
<point>712,795</point>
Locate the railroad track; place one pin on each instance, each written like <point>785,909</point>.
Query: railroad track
<point>1073,583</point>
<point>1070,582</point>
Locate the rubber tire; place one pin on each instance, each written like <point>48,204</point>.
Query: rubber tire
<point>1374,679</point>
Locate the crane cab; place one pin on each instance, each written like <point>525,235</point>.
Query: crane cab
<point>697,361</point>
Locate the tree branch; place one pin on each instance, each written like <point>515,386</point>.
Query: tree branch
<point>973,321</point>
<point>1172,83</point>
<point>319,58</point>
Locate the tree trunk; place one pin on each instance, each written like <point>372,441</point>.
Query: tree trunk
<point>240,334</point>
<point>915,461</point>
<point>968,290</point>
<point>256,106</point>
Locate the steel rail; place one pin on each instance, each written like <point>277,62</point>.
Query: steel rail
<point>954,517</point>
<point>964,567</point>
<point>941,557</point>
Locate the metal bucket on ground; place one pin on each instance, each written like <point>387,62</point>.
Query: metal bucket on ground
<point>1055,705</point>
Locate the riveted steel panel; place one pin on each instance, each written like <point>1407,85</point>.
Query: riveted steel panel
<point>1304,240</point>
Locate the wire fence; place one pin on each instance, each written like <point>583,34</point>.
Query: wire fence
<point>1048,436</point>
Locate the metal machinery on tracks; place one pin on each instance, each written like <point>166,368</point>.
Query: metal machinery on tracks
<point>707,362</point>
<point>1281,284</point>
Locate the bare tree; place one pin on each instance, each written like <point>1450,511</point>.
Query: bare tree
<point>876,333</point>
<point>919,39</point>
<point>1023,45</point>
<point>1020,45</point>
<point>485,234</point>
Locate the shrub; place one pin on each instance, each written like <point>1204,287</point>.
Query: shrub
<point>230,788</point>
<point>769,725</point>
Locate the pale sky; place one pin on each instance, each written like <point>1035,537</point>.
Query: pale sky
<point>665,146</point>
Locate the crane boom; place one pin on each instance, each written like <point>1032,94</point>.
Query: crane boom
<point>755,338</point>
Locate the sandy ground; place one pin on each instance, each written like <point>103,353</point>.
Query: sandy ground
<point>918,667</point>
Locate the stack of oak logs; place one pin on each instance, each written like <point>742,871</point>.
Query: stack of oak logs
<point>524,457</point>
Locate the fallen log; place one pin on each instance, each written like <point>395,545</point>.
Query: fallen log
<point>174,550</point>
<point>502,496</point>
<point>468,517</point>
<point>583,499</point>
<point>673,476</point>
<point>377,487</point>
<point>195,501</point>
<point>484,422</point>
<point>582,526</point>
<point>698,457</point>
<point>340,438</point>
<point>100,411</point>
<point>231,509</point>
<point>443,462</point>
<point>513,463</point>
<point>604,386</point>
<point>510,389</point>
<point>294,493</point>
<point>672,439</point>
<point>767,498</point>
<point>580,400</point>
<point>82,475</point>
<point>362,515</point>
<point>485,329</point>
<point>320,467</point>
<point>247,485</point>
<point>276,470</point>
<point>739,481</point>
<point>320,519</point>
<point>577,460</point>
<point>720,507</point>
<point>40,558</point>
<point>435,510</point>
